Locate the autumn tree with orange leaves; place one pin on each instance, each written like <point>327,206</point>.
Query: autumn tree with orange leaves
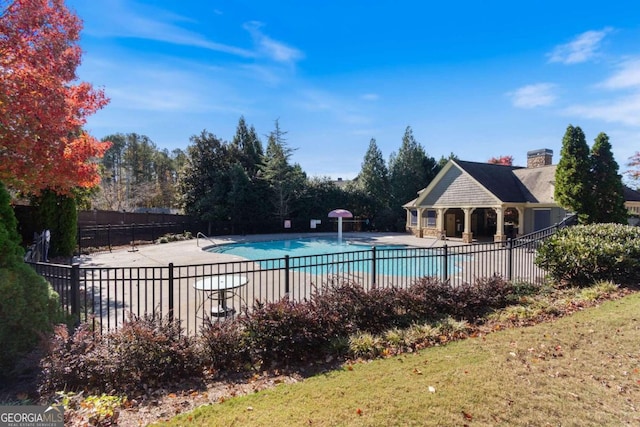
<point>502,160</point>
<point>43,106</point>
<point>42,147</point>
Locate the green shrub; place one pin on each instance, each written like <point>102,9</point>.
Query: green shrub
<point>10,250</point>
<point>365,345</point>
<point>28,309</point>
<point>99,411</point>
<point>600,290</point>
<point>419,335</point>
<point>58,213</point>
<point>585,254</point>
<point>186,235</point>
<point>28,305</point>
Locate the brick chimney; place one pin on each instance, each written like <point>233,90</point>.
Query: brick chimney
<point>539,158</point>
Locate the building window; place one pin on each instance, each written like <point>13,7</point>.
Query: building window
<point>414,218</point>
<point>431,219</point>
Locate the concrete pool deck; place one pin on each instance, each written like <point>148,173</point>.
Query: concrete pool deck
<point>190,252</point>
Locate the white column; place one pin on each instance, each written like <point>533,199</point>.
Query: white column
<point>520,220</point>
<point>440,221</point>
<point>499,236</point>
<point>467,235</point>
<point>467,219</point>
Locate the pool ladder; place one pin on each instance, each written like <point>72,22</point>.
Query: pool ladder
<point>204,236</point>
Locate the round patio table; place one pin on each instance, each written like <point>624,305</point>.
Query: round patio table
<point>216,288</point>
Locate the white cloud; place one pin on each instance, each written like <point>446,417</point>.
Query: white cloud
<point>532,96</point>
<point>580,49</point>
<point>370,96</point>
<point>628,76</point>
<point>157,87</point>
<point>625,110</point>
<point>117,18</point>
<point>273,49</point>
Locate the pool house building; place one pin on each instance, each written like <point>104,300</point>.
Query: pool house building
<point>484,201</point>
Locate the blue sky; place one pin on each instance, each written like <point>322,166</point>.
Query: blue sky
<point>476,78</point>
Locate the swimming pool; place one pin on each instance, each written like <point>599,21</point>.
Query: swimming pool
<point>296,247</point>
<point>321,255</point>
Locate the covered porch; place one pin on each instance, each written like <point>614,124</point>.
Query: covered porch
<point>495,223</point>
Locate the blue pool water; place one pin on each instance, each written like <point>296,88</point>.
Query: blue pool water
<point>300,247</point>
<point>317,255</point>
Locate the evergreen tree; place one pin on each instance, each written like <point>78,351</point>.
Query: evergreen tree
<point>239,198</point>
<point>321,196</point>
<point>409,171</point>
<point>444,160</point>
<point>58,214</point>
<point>247,190</point>
<point>573,183</point>
<point>608,194</point>
<point>373,178</point>
<point>285,181</point>
<point>29,307</point>
<point>204,183</point>
<point>10,239</point>
<point>248,148</point>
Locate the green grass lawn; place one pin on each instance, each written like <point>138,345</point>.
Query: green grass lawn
<point>581,370</point>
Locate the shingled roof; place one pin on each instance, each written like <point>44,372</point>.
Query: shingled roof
<point>631,195</point>
<point>498,179</point>
<point>517,184</point>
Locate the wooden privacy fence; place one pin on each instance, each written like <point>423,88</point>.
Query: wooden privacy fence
<point>107,297</point>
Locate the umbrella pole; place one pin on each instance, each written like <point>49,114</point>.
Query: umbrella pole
<point>339,229</point>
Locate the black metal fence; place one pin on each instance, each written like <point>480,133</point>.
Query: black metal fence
<point>105,237</point>
<point>106,297</point>
<point>97,238</point>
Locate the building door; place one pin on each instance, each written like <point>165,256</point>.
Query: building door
<point>450,224</point>
<point>541,219</point>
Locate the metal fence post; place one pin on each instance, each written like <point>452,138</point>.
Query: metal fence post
<point>445,263</point>
<point>109,236</point>
<point>286,275</point>
<point>171,292</point>
<point>510,259</point>
<point>373,267</point>
<point>75,293</point>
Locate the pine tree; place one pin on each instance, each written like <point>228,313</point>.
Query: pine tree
<point>573,184</point>
<point>410,170</point>
<point>374,176</point>
<point>204,183</point>
<point>608,192</point>
<point>285,181</point>
<point>249,148</point>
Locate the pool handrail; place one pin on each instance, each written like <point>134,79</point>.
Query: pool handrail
<point>204,236</point>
